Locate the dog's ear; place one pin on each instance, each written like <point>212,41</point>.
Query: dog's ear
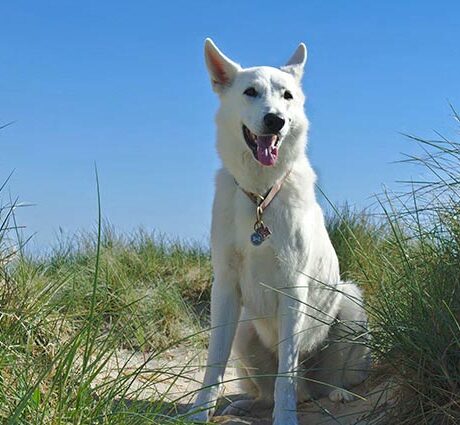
<point>221,69</point>
<point>296,64</point>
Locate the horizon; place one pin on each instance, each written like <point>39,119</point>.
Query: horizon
<point>126,88</point>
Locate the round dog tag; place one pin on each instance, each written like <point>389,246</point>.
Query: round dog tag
<point>256,238</point>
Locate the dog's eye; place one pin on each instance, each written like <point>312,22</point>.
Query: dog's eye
<point>251,92</point>
<point>287,95</point>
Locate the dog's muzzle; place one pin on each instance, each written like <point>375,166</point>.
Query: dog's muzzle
<point>264,147</point>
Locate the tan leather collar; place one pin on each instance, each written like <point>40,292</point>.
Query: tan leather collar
<point>263,201</point>
<point>261,231</point>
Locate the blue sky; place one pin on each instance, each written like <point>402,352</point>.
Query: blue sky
<point>124,85</point>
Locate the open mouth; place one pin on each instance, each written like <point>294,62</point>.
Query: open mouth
<point>263,147</point>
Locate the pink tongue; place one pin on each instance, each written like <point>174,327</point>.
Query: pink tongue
<point>267,152</point>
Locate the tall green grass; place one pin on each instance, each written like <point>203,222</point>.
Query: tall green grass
<point>408,262</point>
<point>64,317</point>
<point>158,289</point>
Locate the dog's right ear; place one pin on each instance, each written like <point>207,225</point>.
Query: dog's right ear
<point>221,69</point>
<point>295,65</point>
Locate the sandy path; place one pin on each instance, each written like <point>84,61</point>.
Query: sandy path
<point>174,376</point>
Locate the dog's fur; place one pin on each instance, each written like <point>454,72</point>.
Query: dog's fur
<point>297,330</point>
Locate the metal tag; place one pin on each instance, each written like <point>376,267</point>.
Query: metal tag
<point>261,233</point>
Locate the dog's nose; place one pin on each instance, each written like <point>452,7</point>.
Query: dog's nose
<point>273,123</point>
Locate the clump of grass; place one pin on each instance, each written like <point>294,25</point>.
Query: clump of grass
<point>417,306</point>
<point>153,287</point>
<point>52,352</point>
<point>408,262</point>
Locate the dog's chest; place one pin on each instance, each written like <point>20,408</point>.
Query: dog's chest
<point>259,267</point>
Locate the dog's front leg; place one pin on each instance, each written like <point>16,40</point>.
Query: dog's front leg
<point>290,319</point>
<point>225,312</point>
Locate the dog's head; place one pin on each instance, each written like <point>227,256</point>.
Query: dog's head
<point>261,118</point>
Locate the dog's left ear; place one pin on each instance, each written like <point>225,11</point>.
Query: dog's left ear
<point>296,64</point>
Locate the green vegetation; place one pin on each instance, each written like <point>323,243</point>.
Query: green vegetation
<point>408,262</point>
<point>64,315</point>
<point>153,291</point>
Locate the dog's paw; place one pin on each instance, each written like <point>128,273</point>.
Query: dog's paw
<point>341,395</point>
<point>249,407</point>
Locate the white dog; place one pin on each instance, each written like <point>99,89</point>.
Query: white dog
<point>298,331</point>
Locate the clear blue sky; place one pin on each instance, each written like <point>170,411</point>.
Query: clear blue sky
<point>123,84</point>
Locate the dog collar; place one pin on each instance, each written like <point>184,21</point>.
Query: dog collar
<point>261,231</point>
